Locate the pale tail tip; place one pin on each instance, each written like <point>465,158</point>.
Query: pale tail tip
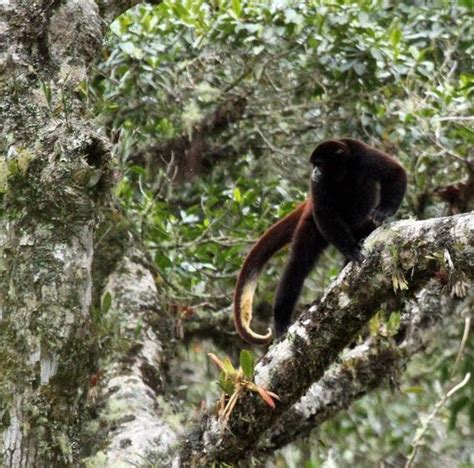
<point>256,338</point>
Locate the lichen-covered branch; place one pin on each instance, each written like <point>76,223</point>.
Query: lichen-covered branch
<point>131,392</point>
<point>187,154</point>
<point>110,9</point>
<point>369,365</point>
<point>204,323</point>
<point>400,260</point>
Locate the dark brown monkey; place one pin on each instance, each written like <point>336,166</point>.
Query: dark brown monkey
<point>354,187</point>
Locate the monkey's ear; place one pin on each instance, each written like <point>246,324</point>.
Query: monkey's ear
<point>342,148</point>
<point>329,148</point>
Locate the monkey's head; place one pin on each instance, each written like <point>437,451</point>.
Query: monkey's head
<point>330,159</point>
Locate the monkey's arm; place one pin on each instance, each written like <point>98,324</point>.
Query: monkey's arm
<point>274,239</point>
<point>387,171</point>
<point>337,232</point>
<point>393,183</point>
<point>307,245</point>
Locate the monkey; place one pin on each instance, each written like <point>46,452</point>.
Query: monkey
<point>353,189</point>
<point>458,196</point>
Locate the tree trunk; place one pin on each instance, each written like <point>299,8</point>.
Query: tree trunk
<point>85,346</point>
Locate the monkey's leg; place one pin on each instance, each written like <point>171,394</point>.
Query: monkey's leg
<point>363,231</point>
<point>338,233</point>
<point>307,245</point>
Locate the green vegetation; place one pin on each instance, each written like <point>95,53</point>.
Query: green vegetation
<point>215,107</point>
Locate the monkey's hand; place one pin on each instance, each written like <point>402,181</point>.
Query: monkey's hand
<point>380,215</point>
<point>355,256</point>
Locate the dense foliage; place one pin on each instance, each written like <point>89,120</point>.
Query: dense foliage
<point>247,89</point>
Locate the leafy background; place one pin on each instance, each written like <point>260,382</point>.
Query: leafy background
<point>214,108</point>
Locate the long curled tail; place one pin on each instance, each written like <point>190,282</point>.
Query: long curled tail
<point>273,240</point>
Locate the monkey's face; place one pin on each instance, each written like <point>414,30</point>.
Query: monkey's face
<point>316,174</point>
<point>329,159</point>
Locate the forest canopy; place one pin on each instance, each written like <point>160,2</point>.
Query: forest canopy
<point>241,92</point>
<point>215,108</point>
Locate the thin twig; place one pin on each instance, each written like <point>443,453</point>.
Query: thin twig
<point>462,346</point>
<point>420,433</point>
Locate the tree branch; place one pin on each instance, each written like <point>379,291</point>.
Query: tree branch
<point>400,262</point>
<point>366,367</point>
<point>130,389</point>
<point>189,152</point>
<point>110,9</point>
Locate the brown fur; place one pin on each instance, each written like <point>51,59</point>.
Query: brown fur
<point>354,187</point>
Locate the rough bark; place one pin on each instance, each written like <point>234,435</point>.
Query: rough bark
<point>54,170</point>
<point>132,422</point>
<point>84,380</point>
<point>406,256</point>
<point>54,173</point>
<point>376,362</point>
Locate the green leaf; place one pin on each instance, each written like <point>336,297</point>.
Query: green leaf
<point>414,389</point>
<point>226,384</point>
<point>360,68</point>
<point>180,11</point>
<point>455,408</point>
<point>376,53</point>
<point>228,366</point>
<point>162,261</point>
<point>375,324</point>
<point>106,303</point>
<point>395,36</point>
<point>364,20</point>
<point>131,49</point>
<point>237,195</point>
<point>138,330</point>
<point>415,53</point>
<point>47,92</point>
<point>237,7</point>
<point>95,313</point>
<point>149,21</point>
<point>393,323</point>
<point>247,363</point>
